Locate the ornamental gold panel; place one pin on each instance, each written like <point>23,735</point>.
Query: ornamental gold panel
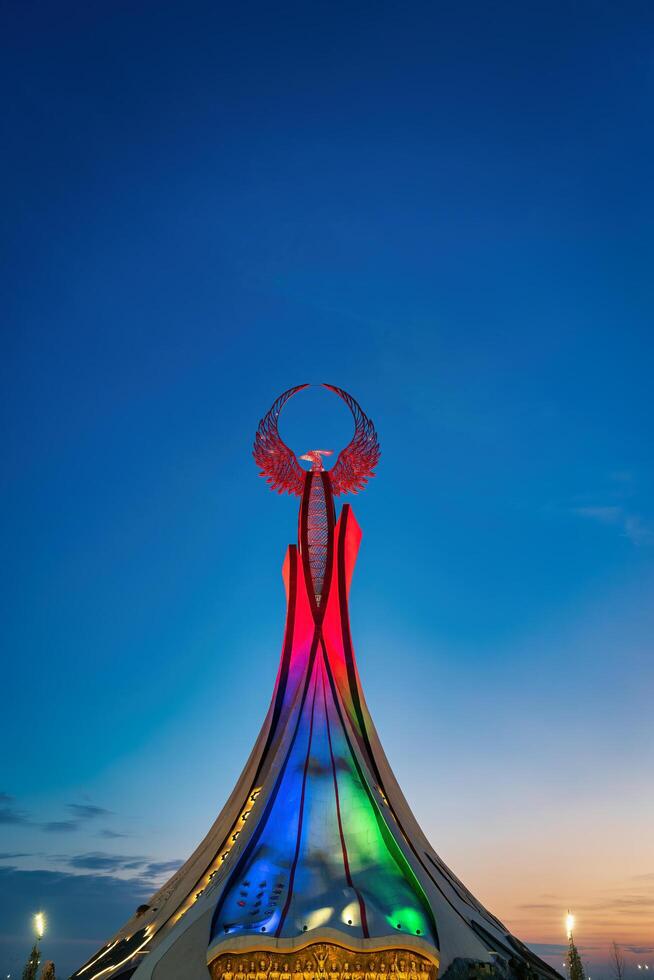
<point>324,961</point>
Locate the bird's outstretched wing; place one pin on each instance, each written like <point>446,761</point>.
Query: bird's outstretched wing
<point>356,463</point>
<point>276,461</point>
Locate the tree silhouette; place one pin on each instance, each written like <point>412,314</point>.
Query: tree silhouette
<point>617,961</point>
<point>575,966</point>
<point>31,967</point>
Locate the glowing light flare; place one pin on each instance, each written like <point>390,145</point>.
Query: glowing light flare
<point>319,918</point>
<point>408,920</point>
<point>569,924</point>
<point>39,925</point>
<point>351,914</point>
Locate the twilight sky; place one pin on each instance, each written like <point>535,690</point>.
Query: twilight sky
<point>445,208</point>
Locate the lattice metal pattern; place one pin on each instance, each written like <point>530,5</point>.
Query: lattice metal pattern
<point>318,535</point>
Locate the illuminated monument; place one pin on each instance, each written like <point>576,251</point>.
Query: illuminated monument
<point>316,868</point>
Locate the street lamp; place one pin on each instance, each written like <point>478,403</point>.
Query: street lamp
<point>39,925</point>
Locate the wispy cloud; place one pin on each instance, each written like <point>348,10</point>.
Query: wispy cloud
<point>86,811</point>
<point>9,813</point>
<point>631,525</point>
<point>81,813</point>
<point>60,826</point>
<point>613,905</point>
<point>548,949</point>
<point>162,867</point>
<point>109,834</point>
<point>106,862</point>
<point>101,861</point>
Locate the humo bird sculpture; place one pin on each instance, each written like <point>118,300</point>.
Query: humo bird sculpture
<point>352,470</point>
<point>317,486</point>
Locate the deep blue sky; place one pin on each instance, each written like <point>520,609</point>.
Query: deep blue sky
<point>446,209</point>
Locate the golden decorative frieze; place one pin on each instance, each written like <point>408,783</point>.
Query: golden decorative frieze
<point>324,961</point>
